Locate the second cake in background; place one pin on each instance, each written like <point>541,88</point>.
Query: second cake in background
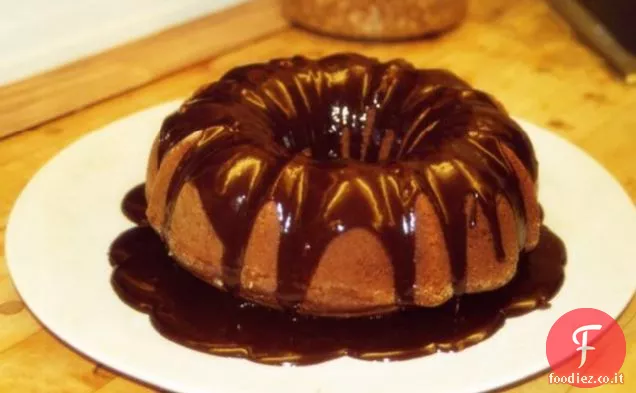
<point>376,19</point>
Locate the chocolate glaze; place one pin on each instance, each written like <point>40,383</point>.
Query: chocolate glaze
<point>193,313</point>
<point>339,143</point>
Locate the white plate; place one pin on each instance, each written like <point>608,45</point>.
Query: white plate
<point>62,226</point>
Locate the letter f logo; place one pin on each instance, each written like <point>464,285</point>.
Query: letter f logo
<point>583,344</point>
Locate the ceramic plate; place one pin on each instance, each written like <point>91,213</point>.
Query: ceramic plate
<point>63,223</point>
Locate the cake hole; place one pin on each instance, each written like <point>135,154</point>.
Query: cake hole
<point>341,133</point>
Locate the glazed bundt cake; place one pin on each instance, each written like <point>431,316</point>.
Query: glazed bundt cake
<point>344,186</point>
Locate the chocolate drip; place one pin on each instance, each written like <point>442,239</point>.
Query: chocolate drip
<point>340,143</point>
<point>193,313</point>
<point>234,197</point>
<point>326,214</point>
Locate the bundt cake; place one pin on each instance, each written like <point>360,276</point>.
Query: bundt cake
<point>344,186</point>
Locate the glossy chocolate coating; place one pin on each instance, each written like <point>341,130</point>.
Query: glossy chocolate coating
<point>339,143</point>
<point>193,313</point>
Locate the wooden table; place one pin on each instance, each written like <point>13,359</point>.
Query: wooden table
<point>520,51</point>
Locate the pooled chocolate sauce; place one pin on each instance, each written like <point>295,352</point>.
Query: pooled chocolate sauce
<point>370,136</point>
<point>134,205</point>
<point>193,313</point>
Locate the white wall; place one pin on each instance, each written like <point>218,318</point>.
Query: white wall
<point>37,35</point>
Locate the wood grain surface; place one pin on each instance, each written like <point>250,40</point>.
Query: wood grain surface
<point>519,51</point>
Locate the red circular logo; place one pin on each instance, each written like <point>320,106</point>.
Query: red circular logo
<point>586,348</point>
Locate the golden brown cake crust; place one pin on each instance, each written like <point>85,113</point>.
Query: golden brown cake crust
<point>376,19</point>
<point>355,273</point>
